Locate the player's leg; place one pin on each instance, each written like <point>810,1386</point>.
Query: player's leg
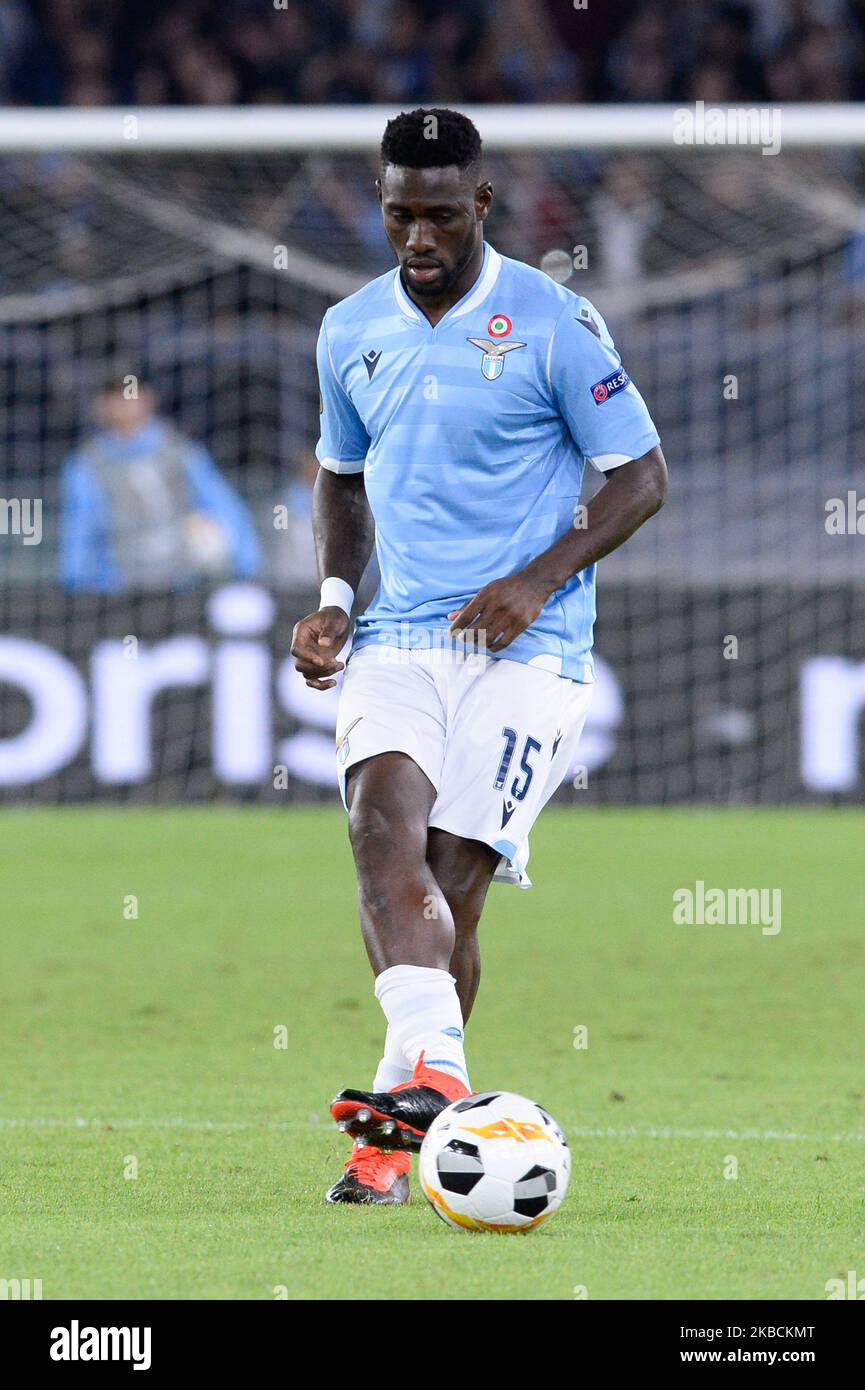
<point>391,755</point>
<point>407,924</point>
<point>388,799</point>
<point>409,933</point>
<point>464,871</point>
<point>390,707</point>
<point>512,730</point>
<point>403,917</point>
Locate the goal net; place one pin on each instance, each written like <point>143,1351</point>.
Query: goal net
<point>200,261</point>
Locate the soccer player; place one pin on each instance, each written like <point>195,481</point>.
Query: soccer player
<point>461,395</point>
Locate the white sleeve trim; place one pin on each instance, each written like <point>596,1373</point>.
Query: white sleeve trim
<point>605,463</point>
<point>343,465</point>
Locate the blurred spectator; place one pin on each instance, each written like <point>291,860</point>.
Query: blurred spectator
<point>823,65</point>
<point>535,204</point>
<point>292,557</point>
<point>624,213</point>
<point>291,551</point>
<point>640,67</point>
<point>98,52</point>
<point>725,55</point>
<point>142,507</point>
<point>17,33</point>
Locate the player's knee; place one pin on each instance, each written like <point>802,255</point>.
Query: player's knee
<point>377,833</point>
<point>467,917</point>
<point>466,899</point>
<point>369,827</point>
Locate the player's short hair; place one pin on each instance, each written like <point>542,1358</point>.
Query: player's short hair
<point>431,138</point>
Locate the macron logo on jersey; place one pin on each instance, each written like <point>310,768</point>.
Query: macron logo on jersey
<point>585,318</point>
<point>616,381</point>
<point>371,360</point>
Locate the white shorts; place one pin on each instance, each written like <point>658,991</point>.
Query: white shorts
<point>494,737</point>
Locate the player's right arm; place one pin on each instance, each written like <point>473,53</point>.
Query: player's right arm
<point>342,523</point>
<point>344,533</point>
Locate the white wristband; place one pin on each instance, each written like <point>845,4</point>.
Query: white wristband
<point>335,593</point>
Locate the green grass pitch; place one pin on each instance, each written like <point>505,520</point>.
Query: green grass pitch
<point>146,1044</point>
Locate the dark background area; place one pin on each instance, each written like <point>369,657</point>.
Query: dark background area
<point>105,52</point>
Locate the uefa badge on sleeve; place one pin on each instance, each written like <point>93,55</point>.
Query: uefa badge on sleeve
<point>616,381</point>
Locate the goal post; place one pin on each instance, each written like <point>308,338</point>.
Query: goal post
<point>334,128</point>
<point>199,248</point>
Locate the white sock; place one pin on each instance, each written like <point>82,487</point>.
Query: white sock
<point>424,1015</point>
<point>387,1076</point>
<point>392,1069</point>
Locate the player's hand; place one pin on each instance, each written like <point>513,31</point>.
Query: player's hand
<point>502,610</point>
<point>315,643</point>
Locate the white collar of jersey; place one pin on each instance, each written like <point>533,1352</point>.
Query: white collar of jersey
<point>479,291</point>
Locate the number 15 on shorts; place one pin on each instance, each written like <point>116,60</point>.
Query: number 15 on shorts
<point>523,780</point>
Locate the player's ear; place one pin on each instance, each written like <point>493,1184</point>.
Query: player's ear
<point>483,199</point>
<point>378,190</point>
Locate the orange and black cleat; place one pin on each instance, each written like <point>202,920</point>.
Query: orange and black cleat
<point>373,1176</point>
<point>400,1118</point>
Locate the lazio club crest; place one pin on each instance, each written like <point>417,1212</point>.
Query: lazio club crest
<point>493,360</point>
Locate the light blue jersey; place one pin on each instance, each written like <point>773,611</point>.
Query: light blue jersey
<point>473,437</point>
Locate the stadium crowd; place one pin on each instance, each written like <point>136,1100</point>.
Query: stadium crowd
<point>106,52</point>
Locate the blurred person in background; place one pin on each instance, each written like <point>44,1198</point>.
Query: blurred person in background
<point>625,212</point>
<point>17,34</point>
<point>640,66</point>
<point>292,562</point>
<point>143,507</point>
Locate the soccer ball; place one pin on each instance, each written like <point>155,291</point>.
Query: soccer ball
<point>495,1162</point>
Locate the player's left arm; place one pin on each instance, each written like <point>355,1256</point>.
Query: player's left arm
<point>608,421</point>
<point>503,609</point>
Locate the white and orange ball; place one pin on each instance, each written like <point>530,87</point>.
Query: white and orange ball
<point>495,1161</point>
